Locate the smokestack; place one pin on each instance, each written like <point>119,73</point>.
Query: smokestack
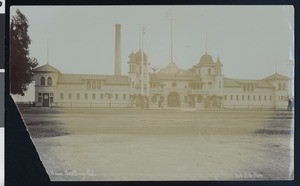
<point>118,50</point>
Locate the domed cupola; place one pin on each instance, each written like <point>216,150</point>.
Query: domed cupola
<point>206,60</point>
<point>131,54</point>
<point>138,56</point>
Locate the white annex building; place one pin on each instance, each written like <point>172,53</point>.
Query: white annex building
<point>202,86</point>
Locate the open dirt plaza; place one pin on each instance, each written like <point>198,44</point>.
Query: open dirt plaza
<point>103,144</point>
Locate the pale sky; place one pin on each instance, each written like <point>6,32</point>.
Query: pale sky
<point>250,40</point>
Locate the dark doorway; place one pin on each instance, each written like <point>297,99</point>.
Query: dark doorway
<point>45,99</point>
<point>173,99</point>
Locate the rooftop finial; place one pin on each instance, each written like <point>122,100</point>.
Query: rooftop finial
<point>48,52</point>
<point>206,43</point>
<point>140,37</point>
<point>276,65</point>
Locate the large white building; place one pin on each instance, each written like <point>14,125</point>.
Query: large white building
<point>202,86</point>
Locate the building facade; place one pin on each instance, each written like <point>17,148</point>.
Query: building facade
<point>201,86</point>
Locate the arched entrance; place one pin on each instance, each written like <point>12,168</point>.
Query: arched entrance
<point>173,99</point>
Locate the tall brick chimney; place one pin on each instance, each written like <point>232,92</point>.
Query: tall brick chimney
<point>118,50</point>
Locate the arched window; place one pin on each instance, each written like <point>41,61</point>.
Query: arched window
<point>209,71</point>
<point>98,85</point>
<point>42,81</point>
<point>94,85</point>
<point>153,99</point>
<point>49,81</point>
<point>88,85</point>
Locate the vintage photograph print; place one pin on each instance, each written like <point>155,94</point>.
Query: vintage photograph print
<point>126,93</point>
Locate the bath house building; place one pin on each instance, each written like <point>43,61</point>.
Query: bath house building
<point>201,86</point>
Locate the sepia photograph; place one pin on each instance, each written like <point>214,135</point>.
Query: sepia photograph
<point>156,93</point>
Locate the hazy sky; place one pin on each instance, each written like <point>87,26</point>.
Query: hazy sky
<point>250,40</point>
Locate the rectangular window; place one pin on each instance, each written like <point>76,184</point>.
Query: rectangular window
<point>185,98</point>
<point>85,96</point>
<point>231,97</point>
<point>116,96</point>
<point>270,98</point>
<point>101,96</point>
<point>70,95</point>
<point>94,96</point>
<point>225,97</point>
<point>253,97</point>
<point>124,96</point>
<point>237,97</point>
<point>77,96</point>
<point>248,97</point>
<point>61,96</point>
<point>265,98</point>
<point>243,97</point>
<point>259,98</point>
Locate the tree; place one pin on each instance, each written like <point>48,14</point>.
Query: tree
<point>21,64</point>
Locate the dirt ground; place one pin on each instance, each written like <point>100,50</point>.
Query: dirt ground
<point>99,144</point>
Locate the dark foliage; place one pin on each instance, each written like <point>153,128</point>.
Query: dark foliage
<point>21,64</point>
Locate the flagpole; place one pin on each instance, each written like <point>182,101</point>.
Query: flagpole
<point>142,73</point>
<point>147,76</point>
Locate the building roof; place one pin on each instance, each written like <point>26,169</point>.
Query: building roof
<point>116,80</point>
<point>46,68</point>
<point>230,82</point>
<point>79,78</point>
<point>69,78</point>
<point>276,76</point>
<point>170,69</point>
<point>264,84</point>
<point>258,83</point>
